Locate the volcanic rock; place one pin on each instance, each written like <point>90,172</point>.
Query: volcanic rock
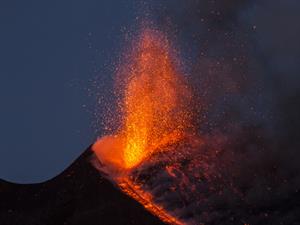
<point>80,195</point>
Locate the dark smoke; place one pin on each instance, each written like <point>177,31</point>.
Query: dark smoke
<point>244,60</point>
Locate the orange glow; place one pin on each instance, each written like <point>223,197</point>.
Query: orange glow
<point>110,149</point>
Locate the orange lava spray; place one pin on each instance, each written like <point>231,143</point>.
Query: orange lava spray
<point>154,100</point>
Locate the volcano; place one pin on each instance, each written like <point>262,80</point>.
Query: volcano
<point>79,195</point>
<point>155,162</point>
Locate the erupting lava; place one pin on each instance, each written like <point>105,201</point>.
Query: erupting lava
<point>153,104</point>
<point>154,100</point>
<point>155,113</point>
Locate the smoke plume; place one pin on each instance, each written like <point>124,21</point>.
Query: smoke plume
<point>245,71</point>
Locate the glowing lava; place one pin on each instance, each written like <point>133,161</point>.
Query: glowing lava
<point>154,102</point>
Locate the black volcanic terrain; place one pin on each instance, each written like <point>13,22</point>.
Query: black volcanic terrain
<point>78,196</point>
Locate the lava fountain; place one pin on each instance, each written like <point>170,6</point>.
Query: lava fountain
<point>154,104</point>
<point>155,112</point>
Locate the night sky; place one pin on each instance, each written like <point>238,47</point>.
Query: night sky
<point>52,52</point>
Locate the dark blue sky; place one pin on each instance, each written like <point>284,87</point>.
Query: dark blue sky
<point>49,53</point>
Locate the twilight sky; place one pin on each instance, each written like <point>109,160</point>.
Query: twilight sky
<point>50,51</point>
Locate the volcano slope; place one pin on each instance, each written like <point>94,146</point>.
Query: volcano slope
<point>78,196</point>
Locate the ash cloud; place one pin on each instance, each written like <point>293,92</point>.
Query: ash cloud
<point>244,66</point>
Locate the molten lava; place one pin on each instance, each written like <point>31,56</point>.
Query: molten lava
<point>155,113</point>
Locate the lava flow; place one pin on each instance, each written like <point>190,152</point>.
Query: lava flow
<point>154,111</point>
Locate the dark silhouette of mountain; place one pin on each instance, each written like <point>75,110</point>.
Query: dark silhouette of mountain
<point>78,196</point>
